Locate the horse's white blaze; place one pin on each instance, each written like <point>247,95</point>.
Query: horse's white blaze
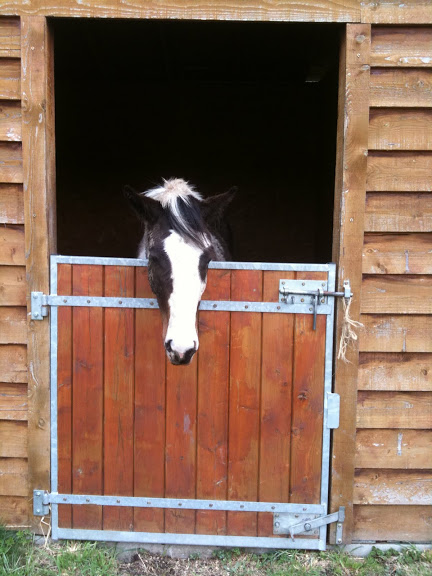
<point>187,291</point>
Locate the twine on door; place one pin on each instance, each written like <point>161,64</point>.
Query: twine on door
<point>348,333</point>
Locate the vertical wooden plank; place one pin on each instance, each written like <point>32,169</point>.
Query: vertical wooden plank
<point>149,447</point>
<point>180,466</point>
<point>244,401</point>
<point>276,398</point>
<point>213,378</point>
<point>307,405</point>
<point>87,403</point>
<point>351,164</point>
<point>64,393</point>
<point>38,145</point>
<point>118,397</point>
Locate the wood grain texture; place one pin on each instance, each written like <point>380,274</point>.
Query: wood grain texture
<point>13,477</point>
<point>410,87</point>
<point>396,12</point>
<point>64,393</point>
<point>386,333</point>
<point>398,449</point>
<point>394,410</point>
<point>389,371</point>
<point>398,212</point>
<point>397,254</point>
<point>10,79</point>
<point>399,171</point>
<point>284,10</point>
<point>150,410</point>
<point>13,325</point>
<point>11,165</point>
<point>276,402</point>
<point>213,395</point>
<point>14,512</point>
<point>38,148</point>
<point>118,371</point>
<point>400,129</point>
<point>13,363</point>
<point>10,121</point>
<point>87,398</point>
<point>393,487</point>
<point>402,47</point>
<point>351,164</point>
<point>13,439</point>
<point>396,294</point>
<point>12,286</point>
<point>378,523</point>
<point>12,245</point>
<point>13,402</point>
<point>244,402</point>
<point>10,38</point>
<point>11,204</point>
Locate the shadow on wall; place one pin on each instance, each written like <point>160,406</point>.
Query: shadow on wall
<point>216,103</point>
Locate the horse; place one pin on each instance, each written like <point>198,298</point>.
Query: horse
<point>183,232</point>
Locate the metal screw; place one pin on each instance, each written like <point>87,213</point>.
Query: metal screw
<point>64,499</point>
<point>273,507</point>
<point>302,300</point>
<point>246,307</point>
<point>34,295</point>
<point>214,305</point>
<point>88,301</point>
<point>339,541</point>
<point>242,506</point>
<point>151,303</point>
<point>303,283</point>
<point>179,503</point>
<point>278,307</point>
<point>210,505</point>
<point>87,499</point>
<point>38,510</point>
<point>65,300</point>
<point>296,515</point>
<point>310,309</point>
<point>277,524</point>
<point>120,302</point>
<point>118,501</point>
<point>283,283</point>
<point>322,300</point>
<point>36,315</point>
<point>307,527</point>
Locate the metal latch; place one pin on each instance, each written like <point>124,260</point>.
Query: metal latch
<point>40,503</point>
<point>39,308</point>
<point>296,292</point>
<point>288,523</point>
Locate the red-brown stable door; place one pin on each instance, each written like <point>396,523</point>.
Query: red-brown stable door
<point>243,422</point>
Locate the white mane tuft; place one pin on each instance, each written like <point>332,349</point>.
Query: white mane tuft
<point>171,191</point>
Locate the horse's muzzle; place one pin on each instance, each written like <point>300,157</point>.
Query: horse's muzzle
<point>179,358</point>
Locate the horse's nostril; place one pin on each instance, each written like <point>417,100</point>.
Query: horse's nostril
<point>195,345</point>
<point>168,346</point>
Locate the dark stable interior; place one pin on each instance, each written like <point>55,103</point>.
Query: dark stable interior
<point>219,104</point>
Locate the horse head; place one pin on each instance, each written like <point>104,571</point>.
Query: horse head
<point>181,236</point>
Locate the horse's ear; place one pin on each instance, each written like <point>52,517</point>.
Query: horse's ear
<point>145,208</point>
<point>212,208</point>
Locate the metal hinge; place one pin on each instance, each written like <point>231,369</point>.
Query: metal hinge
<point>39,307</point>
<point>295,524</point>
<point>40,503</point>
<point>310,294</point>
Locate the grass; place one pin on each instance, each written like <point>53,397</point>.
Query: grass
<point>19,556</point>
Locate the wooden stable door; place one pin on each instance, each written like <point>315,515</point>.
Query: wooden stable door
<point>244,421</point>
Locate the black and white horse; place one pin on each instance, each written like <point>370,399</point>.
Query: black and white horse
<point>182,234</point>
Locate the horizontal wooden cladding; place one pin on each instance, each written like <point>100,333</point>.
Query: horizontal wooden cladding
<point>283,10</point>
<point>13,477</point>
<point>397,254</point>
<point>12,246</point>
<point>396,12</point>
<point>397,487</point>
<point>411,87</point>
<point>10,79</point>
<point>13,325</point>
<point>398,212</point>
<point>399,171</point>
<point>394,410</point>
<point>10,37</point>
<point>396,294</point>
<point>13,439</point>
<point>14,511</point>
<point>13,402</point>
<point>404,46</point>
<point>400,129</point>
<point>13,363</point>
<point>391,371</point>
<point>393,523</point>
<point>10,121</point>
<point>398,449</point>
<point>11,204</point>
<point>11,166</point>
<point>12,286</point>
<point>386,333</point>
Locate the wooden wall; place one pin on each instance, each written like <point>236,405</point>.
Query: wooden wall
<point>393,477</point>
<point>13,330</point>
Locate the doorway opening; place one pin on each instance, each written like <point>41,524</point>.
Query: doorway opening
<point>217,103</point>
